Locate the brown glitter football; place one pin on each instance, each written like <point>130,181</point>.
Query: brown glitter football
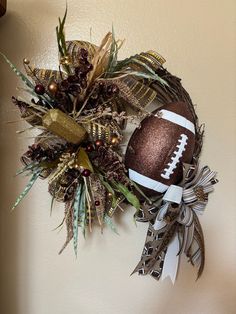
<point>157,149</point>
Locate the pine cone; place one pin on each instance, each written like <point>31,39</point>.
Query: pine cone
<point>37,153</point>
<point>111,163</point>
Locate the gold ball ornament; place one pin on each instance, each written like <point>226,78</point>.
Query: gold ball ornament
<point>26,61</point>
<point>115,140</point>
<point>52,87</point>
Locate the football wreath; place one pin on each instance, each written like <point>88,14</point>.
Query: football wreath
<point>81,111</point>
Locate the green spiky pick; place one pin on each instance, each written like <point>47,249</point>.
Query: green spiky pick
<point>31,182</point>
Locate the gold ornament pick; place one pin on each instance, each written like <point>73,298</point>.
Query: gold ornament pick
<point>64,126</point>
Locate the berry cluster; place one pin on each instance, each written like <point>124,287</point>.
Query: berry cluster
<point>102,93</point>
<point>73,85</point>
<point>76,82</point>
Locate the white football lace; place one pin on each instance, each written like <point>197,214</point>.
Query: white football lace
<point>175,159</point>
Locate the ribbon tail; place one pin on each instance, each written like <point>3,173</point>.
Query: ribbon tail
<point>171,262</point>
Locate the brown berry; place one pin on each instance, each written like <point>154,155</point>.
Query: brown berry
<point>109,90</point>
<point>86,173</point>
<point>39,89</point>
<point>115,89</point>
<point>74,88</point>
<point>89,67</point>
<point>101,85</point>
<point>89,148</point>
<point>72,79</point>
<point>65,84</point>
<point>83,83</point>
<point>84,53</point>
<point>99,143</point>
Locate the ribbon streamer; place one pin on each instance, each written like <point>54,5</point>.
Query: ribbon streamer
<point>176,229</point>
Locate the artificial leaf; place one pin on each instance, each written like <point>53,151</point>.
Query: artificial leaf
<point>109,189</point>
<point>131,198</point>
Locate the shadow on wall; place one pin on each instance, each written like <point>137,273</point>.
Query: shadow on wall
<point>3,5</point>
<point>15,40</point>
<point>13,34</point>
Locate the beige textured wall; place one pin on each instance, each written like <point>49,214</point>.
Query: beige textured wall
<point>198,40</point>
